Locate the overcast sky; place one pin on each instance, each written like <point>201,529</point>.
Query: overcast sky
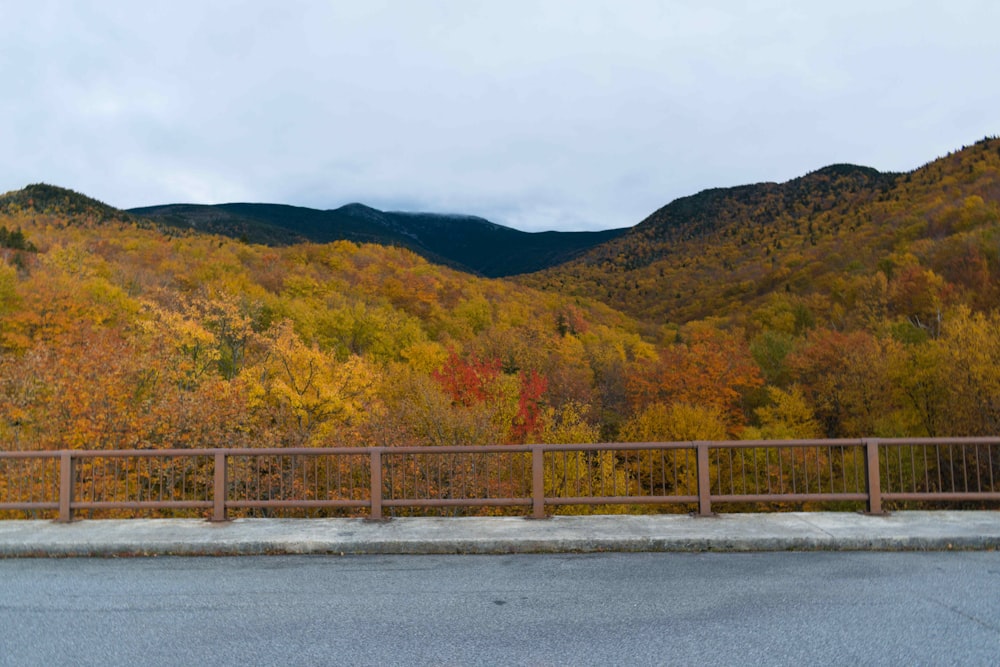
<point>562,114</point>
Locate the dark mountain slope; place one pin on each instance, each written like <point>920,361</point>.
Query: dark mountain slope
<point>464,242</point>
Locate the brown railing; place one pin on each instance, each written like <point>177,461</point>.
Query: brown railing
<point>758,475</point>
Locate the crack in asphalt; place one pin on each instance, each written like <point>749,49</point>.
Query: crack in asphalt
<point>965,615</point>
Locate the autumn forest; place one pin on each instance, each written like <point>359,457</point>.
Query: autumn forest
<point>845,303</point>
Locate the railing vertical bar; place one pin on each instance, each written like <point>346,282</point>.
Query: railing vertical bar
<point>979,470</point>
<point>428,478</point>
<point>334,478</point>
<point>662,491</point>
<point>951,467</point>
<point>219,487</point>
<point>257,472</point>
<point>843,467</point>
<point>327,475</point>
<point>538,482</point>
<point>805,470</point>
<point>965,469</point>
<point>927,470</point>
<point>65,486</point>
<point>425,473</point>
<point>899,468</point>
<point>676,468</point>
<point>375,475</point>
<point>791,456</point>
<point>989,461</point>
<point>818,471</point>
<point>730,463</point>
<point>704,479</point>
<point>767,469</point>
<point>756,471</point>
<point>440,479</point>
<point>562,485</point>
<point>612,470</point>
<point>937,467</point>
<point>743,471</point>
<point>493,474</point>
<point>831,475</point>
<point>285,464</point>
<point>587,464</point>
<point>873,476</point>
<point>844,471</point>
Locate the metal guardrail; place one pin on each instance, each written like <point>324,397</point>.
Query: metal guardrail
<point>763,474</point>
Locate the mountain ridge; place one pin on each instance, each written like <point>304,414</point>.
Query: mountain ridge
<point>725,251</point>
<point>465,242</point>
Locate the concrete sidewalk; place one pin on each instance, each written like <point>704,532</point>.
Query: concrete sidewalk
<point>499,535</point>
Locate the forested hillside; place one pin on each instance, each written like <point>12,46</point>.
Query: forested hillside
<point>117,335</point>
<point>463,242</point>
<point>844,303</point>
<point>868,301</point>
<point>816,240</point>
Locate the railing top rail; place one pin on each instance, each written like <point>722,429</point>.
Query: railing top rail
<point>200,451</point>
<point>47,454</point>
<point>603,446</point>
<point>964,440</point>
<point>465,449</point>
<point>813,442</point>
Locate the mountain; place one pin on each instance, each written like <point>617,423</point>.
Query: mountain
<point>844,303</point>
<point>467,243</point>
<point>721,253</point>
<point>51,200</point>
<point>726,252</point>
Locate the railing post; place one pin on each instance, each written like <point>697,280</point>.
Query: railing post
<point>704,480</point>
<point>537,483</point>
<point>873,478</point>
<point>376,484</point>
<point>219,488</point>
<point>65,486</point>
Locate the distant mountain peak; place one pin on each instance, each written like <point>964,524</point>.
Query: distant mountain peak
<point>46,199</point>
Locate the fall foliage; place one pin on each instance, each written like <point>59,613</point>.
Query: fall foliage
<point>846,303</point>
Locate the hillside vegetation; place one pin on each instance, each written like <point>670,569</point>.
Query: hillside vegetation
<point>463,242</point>
<point>846,303</point>
<point>118,334</point>
<point>816,241</point>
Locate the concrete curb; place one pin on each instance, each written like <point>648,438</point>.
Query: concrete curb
<point>793,531</point>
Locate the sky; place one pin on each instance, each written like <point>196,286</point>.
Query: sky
<point>544,114</point>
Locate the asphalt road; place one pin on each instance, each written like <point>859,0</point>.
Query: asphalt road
<point>599,609</point>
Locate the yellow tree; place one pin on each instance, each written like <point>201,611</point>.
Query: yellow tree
<point>308,389</point>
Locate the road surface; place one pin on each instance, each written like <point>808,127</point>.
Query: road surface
<point>599,609</point>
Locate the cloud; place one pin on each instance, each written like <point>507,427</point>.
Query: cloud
<point>539,114</point>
